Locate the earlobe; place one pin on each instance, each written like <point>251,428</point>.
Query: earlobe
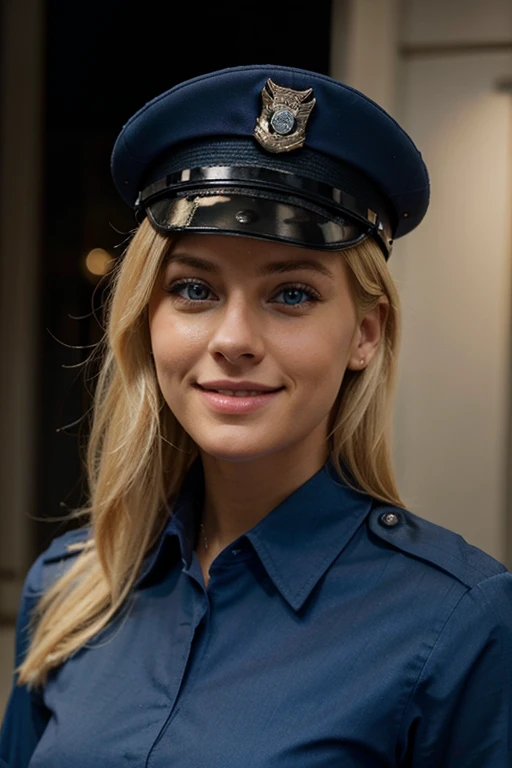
<point>369,336</point>
<point>356,364</point>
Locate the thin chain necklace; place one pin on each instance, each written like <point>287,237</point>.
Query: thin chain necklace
<point>204,536</point>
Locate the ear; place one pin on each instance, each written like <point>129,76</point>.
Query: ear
<point>368,336</point>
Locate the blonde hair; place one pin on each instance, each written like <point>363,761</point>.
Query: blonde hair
<point>138,453</point>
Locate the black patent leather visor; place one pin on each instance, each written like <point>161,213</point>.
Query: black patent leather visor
<point>253,217</point>
<point>262,203</point>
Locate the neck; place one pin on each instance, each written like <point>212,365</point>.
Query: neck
<point>240,494</point>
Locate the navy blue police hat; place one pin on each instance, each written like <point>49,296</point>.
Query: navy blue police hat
<point>271,152</point>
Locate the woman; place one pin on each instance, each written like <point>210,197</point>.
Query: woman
<point>249,588</point>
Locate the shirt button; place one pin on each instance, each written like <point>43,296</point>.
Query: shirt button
<point>389,519</point>
<point>235,551</point>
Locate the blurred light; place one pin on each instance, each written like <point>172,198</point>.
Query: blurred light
<point>98,262</point>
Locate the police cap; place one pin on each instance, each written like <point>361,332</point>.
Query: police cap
<point>271,152</point>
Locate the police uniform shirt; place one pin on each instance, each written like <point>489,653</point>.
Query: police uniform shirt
<point>336,632</point>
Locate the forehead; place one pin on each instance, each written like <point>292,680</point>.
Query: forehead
<point>220,253</point>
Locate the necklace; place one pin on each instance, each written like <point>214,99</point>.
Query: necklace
<point>204,536</point>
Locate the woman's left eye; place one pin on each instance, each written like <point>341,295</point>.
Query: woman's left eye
<point>295,295</point>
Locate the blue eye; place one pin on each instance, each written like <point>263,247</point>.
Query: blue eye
<point>294,296</point>
<point>194,291</point>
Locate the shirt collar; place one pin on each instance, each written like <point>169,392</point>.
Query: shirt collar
<point>296,542</point>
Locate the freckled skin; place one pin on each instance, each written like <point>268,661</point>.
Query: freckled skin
<point>244,330</point>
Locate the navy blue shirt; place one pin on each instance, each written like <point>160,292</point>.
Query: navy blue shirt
<point>338,631</point>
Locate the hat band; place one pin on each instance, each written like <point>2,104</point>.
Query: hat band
<point>328,203</point>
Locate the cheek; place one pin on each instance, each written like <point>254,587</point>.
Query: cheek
<point>318,356</point>
<point>174,344</point>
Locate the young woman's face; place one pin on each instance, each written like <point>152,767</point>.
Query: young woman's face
<point>232,311</point>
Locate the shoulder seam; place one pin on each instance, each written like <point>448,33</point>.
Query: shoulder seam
<point>67,545</point>
<point>467,573</point>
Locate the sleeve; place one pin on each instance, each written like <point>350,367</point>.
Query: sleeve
<point>26,716</point>
<point>460,712</point>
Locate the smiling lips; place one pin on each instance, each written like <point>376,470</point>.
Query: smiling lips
<point>236,397</point>
<point>236,392</point>
<point>237,388</point>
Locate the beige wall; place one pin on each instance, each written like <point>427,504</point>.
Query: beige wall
<point>453,272</point>
<point>364,47</point>
<point>456,290</point>
<point>454,21</point>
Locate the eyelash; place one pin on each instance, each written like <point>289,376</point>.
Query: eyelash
<point>175,288</point>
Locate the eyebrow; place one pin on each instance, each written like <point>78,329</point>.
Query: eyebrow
<point>272,268</point>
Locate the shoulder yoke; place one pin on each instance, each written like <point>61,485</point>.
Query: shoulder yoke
<point>433,544</point>
<point>59,555</point>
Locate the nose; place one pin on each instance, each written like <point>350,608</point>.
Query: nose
<point>237,332</point>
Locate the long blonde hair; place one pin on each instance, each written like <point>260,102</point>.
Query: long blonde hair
<point>138,453</point>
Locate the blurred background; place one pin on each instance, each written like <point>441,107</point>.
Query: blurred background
<point>73,73</point>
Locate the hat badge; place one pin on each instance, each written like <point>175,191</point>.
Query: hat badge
<point>281,125</point>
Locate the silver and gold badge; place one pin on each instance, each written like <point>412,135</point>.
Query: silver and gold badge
<point>282,123</point>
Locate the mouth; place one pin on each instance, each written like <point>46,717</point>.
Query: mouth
<point>237,401</point>
<point>242,392</point>
<point>239,392</point>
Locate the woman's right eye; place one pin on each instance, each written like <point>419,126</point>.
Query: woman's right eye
<point>190,291</point>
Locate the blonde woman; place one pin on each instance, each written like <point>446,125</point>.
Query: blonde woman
<point>247,588</point>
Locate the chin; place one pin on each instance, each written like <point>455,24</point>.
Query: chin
<point>244,448</point>
<point>231,458</point>
<point>236,454</point>
<point>228,444</point>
